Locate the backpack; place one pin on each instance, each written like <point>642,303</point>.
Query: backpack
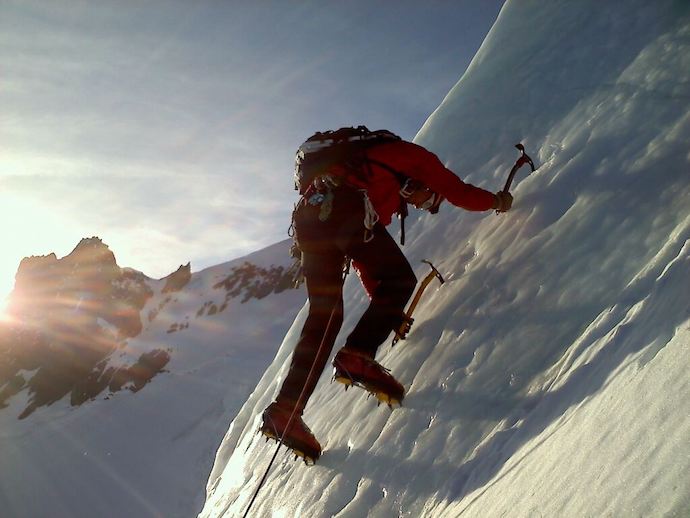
<point>344,147</point>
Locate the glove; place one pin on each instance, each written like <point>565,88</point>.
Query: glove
<point>503,201</point>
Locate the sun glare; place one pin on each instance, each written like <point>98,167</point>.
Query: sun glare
<point>4,317</point>
<point>27,228</point>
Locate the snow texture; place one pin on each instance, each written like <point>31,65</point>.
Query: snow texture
<point>548,376</point>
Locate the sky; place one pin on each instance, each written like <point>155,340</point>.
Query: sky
<point>168,128</point>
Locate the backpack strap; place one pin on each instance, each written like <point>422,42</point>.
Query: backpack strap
<point>402,213</point>
<point>401,177</point>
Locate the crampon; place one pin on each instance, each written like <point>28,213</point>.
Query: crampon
<point>353,368</point>
<point>298,438</point>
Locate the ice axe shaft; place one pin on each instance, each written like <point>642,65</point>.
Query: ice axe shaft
<point>522,160</point>
<point>401,333</point>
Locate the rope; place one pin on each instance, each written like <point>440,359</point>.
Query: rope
<point>297,405</point>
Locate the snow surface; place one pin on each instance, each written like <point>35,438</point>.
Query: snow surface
<point>149,453</point>
<point>549,375</point>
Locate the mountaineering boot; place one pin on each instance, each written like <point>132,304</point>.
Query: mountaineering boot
<point>352,367</point>
<point>298,437</point>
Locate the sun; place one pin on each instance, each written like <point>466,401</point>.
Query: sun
<point>27,228</point>
<point>5,316</point>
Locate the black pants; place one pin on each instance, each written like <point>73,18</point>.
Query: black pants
<point>325,247</point>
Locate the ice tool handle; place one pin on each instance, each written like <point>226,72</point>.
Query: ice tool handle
<point>404,329</point>
<point>522,160</point>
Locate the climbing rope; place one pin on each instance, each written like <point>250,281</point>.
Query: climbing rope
<point>326,332</point>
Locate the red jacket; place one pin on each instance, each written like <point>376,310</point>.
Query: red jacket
<point>418,163</point>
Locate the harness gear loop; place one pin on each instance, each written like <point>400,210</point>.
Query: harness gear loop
<point>326,205</point>
<point>371,217</point>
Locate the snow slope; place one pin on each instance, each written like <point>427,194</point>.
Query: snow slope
<point>548,376</point>
<point>147,451</point>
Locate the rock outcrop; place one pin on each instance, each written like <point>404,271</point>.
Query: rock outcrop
<point>66,317</point>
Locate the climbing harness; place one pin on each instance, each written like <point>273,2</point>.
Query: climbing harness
<point>371,218</point>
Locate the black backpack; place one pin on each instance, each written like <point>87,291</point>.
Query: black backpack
<point>345,147</point>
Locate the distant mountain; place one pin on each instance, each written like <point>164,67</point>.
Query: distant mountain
<point>69,316</point>
<point>88,344</point>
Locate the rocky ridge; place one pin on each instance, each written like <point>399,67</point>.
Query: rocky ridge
<point>69,320</point>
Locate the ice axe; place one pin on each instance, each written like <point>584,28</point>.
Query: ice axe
<point>522,160</point>
<point>401,333</point>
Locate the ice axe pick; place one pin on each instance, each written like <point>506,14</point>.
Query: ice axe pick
<point>522,160</point>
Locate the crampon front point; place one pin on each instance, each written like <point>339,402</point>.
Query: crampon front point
<point>309,458</point>
<point>381,396</point>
